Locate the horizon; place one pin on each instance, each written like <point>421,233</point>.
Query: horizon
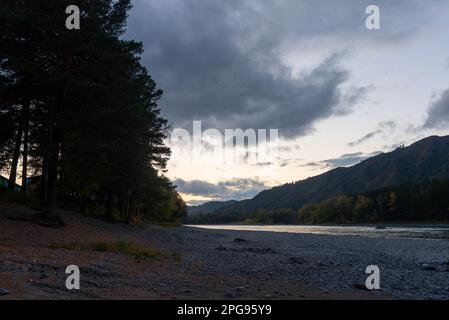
<point>349,166</point>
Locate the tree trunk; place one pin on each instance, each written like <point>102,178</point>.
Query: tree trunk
<point>26,127</point>
<point>51,207</point>
<point>128,212</point>
<point>15,158</point>
<point>120,206</point>
<point>44,182</point>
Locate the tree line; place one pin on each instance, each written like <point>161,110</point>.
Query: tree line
<point>425,202</point>
<point>79,112</point>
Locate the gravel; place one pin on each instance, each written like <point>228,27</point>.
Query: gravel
<point>409,268</point>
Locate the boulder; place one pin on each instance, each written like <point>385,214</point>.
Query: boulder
<point>3,292</point>
<point>428,267</point>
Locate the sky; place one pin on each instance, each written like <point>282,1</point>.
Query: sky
<point>337,92</point>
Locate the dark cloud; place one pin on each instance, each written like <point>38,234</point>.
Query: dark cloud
<point>237,189</point>
<point>221,62</point>
<point>438,114</point>
<point>224,62</point>
<point>384,127</point>
<point>365,138</point>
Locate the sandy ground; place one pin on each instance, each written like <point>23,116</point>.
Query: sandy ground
<point>207,264</point>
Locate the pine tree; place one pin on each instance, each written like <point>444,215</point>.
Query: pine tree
<point>82,109</point>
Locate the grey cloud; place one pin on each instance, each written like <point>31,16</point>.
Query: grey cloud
<point>288,148</point>
<point>264,164</point>
<point>348,160</point>
<point>345,160</point>
<point>220,62</point>
<point>438,114</point>
<point>384,127</point>
<point>290,161</point>
<point>237,189</point>
<point>391,125</point>
<point>365,138</point>
<point>314,165</point>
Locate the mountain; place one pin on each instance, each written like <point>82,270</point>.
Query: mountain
<point>425,160</point>
<point>209,207</point>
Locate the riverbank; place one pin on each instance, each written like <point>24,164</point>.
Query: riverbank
<point>190,263</point>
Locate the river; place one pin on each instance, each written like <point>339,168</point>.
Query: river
<point>414,232</point>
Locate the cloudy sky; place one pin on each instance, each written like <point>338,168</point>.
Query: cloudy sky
<point>336,91</point>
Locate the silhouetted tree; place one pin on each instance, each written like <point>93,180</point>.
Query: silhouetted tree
<point>80,105</point>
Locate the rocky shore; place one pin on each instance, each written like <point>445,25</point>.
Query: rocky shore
<point>194,263</point>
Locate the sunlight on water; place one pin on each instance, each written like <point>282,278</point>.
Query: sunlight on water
<point>440,232</point>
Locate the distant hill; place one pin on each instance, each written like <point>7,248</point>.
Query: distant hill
<point>209,207</point>
<point>425,160</point>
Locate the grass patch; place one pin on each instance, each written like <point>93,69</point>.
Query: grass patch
<point>123,246</point>
<point>127,247</point>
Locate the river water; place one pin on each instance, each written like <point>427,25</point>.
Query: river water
<point>414,232</point>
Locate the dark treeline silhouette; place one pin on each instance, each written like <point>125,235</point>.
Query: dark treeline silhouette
<point>425,202</point>
<point>79,112</point>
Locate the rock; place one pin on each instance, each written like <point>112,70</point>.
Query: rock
<point>239,240</point>
<point>43,276</point>
<point>296,260</point>
<point>240,288</point>
<point>380,228</point>
<point>268,296</point>
<point>3,292</point>
<point>359,286</point>
<point>229,295</point>
<point>428,267</point>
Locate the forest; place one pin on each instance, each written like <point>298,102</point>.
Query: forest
<point>424,202</point>
<point>80,124</point>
